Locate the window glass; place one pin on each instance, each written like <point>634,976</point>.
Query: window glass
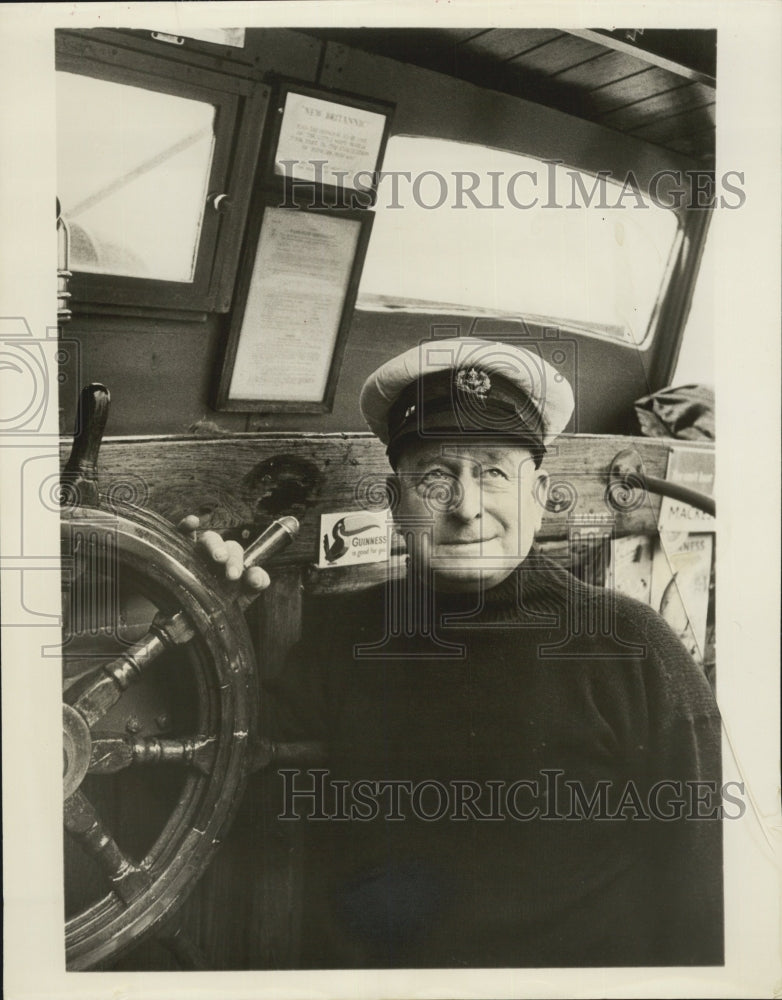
<point>132,174</point>
<point>580,264</point>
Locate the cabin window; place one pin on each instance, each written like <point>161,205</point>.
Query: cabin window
<point>132,184</point>
<point>146,147</point>
<point>560,255</point>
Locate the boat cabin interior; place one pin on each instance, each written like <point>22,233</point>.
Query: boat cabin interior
<point>548,189</point>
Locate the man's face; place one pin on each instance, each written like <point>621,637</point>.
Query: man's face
<point>476,507</point>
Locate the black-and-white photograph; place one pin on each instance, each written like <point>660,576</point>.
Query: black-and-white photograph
<point>386,481</point>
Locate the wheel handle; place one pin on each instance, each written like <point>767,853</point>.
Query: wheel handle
<point>80,476</point>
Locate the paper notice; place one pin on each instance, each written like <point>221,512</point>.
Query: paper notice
<point>328,143</point>
<point>294,306</point>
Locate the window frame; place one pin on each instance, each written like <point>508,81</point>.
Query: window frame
<point>240,112</point>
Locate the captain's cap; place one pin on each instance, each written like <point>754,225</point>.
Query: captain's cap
<point>466,386</point>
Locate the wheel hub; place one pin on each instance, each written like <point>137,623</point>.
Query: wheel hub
<point>77,749</point>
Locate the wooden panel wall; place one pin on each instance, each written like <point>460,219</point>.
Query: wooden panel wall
<point>161,373</point>
<point>240,483</point>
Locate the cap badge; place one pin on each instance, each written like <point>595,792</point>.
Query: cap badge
<point>473,381</point>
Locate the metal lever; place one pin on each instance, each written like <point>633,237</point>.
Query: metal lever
<point>627,470</point>
<point>274,539</point>
<point>280,533</point>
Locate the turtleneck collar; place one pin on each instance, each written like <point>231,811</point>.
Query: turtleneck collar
<point>536,585</point>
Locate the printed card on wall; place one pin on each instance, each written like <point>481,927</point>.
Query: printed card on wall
<point>631,566</point>
<point>681,572</point>
<point>694,468</point>
<point>353,537</point>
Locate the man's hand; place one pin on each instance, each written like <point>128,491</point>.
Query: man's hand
<point>228,554</point>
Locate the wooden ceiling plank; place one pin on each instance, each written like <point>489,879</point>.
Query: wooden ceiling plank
<point>557,55</point>
<point>630,116</point>
<point>689,122</point>
<point>632,89</point>
<point>458,35</point>
<point>606,68</point>
<point>508,43</point>
<point>620,45</point>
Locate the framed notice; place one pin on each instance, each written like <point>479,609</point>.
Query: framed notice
<point>333,141</point>
<point>297,295</point>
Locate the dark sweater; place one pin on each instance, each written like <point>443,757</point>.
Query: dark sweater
<point>576,692</point>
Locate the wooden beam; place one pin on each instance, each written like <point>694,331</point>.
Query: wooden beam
<point>238,484</point>
<point>610,41</point>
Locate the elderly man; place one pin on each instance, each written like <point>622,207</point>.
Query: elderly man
<point>504,788</point>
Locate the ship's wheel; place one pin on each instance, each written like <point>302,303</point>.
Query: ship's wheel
<point>158,710</point>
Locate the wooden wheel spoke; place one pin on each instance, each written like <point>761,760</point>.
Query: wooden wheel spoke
<point>112,752</point>
<point>84,825</point>
<point>75,669</point>
<point>116,677</point>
